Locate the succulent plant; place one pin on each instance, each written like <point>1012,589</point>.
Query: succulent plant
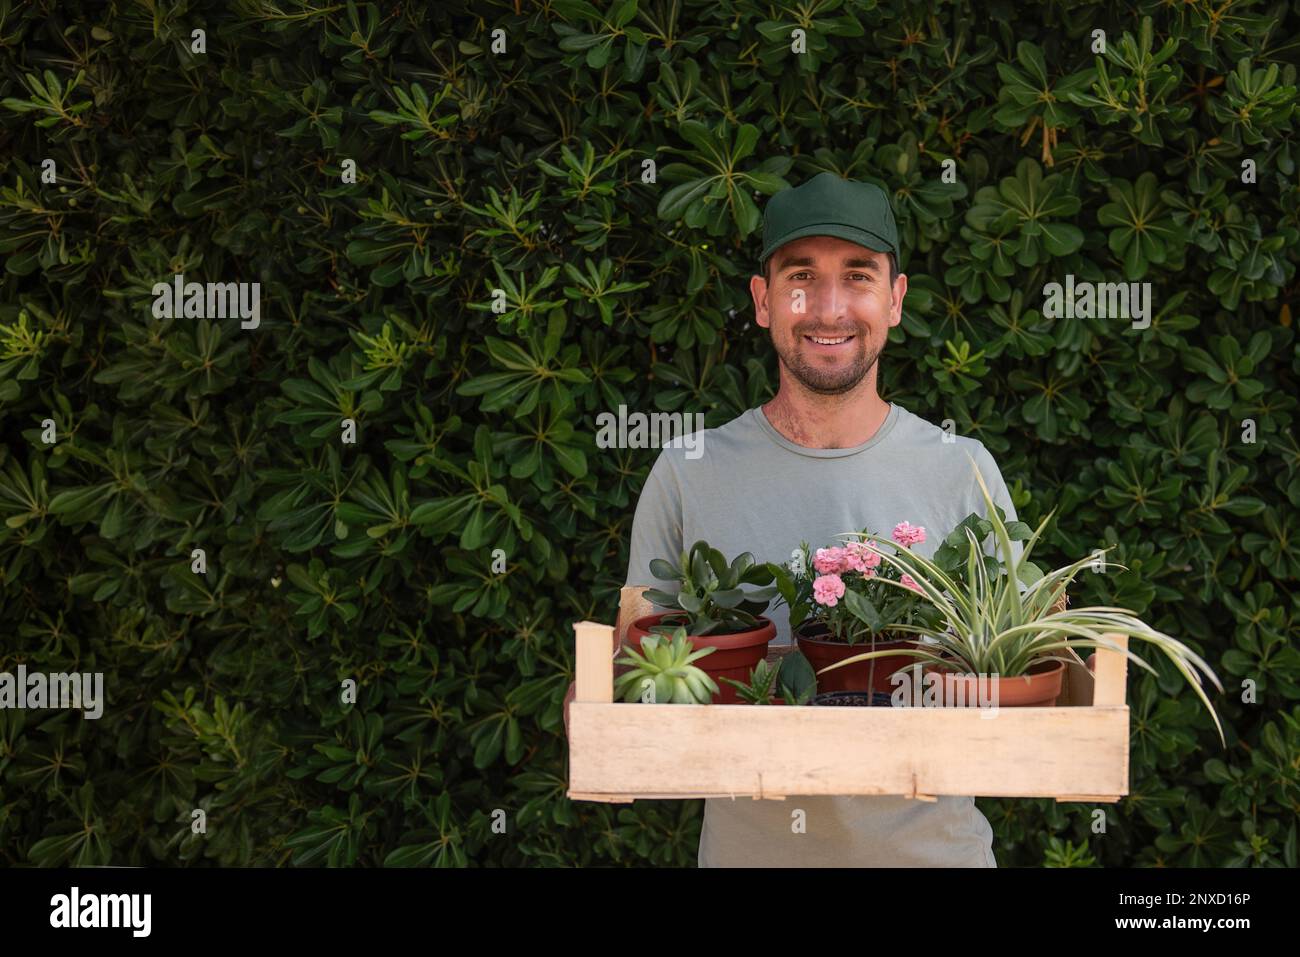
<point>793,678</point>
<point>667,665</point>
<point>797,679</point>
<point>761,686</point>
<point>710,596</point>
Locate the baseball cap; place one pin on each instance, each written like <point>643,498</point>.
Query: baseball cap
<point>828,205</point>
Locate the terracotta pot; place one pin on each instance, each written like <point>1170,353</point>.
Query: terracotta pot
<point>1039,687</point>
<point>852,699</point>
<point>735,655</point>
<point>823,652</point>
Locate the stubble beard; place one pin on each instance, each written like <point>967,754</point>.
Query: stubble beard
<point>821,379</point>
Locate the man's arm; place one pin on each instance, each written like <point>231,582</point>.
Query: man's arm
<point>1001,495</point>
<point>657,525</point>
<point>656,533</point>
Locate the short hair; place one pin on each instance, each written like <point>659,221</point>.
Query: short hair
<point>893,269</point>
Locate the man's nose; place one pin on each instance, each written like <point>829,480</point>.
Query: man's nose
<point>828,299</point>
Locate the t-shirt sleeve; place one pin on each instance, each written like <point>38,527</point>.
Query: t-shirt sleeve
<point>656,526</point>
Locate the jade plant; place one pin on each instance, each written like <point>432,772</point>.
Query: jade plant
<point>664,672</point>
<point>709,596</point>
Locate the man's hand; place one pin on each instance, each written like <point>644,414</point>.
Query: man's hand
<point>572,693</point>
<point>568,699</point>
<point>632,605</point>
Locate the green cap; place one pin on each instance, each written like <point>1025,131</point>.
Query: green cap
<point>827,205</point>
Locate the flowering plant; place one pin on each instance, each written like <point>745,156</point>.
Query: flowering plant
<point>843,587</point>
<point>1000,624</point>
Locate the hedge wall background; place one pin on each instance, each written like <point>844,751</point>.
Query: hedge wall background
<point>523,171</point>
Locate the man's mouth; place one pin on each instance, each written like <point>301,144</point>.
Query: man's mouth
<point>829,342</point>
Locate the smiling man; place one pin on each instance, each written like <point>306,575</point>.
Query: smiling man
<point>826,456</point>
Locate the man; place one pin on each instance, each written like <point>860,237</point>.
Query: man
<point>826,456</point>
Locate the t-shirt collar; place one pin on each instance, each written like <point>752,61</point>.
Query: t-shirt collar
<point>886,427</point>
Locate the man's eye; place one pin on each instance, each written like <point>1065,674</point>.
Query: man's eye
<point>794,277</point>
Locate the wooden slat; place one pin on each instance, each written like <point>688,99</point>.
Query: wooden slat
<point>1077,683</point>
<point>699,750</point>
<point>1088,798</point>
<point>629,798</point>
<point>632,604</point>
<point>1111,674</point>
<point>776,652</point>
<point>594,681</point>
<point>610,798</point>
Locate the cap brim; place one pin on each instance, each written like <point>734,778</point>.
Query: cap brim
<point>853,234</point>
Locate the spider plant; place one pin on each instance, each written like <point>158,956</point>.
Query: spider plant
<point>1000,623</point>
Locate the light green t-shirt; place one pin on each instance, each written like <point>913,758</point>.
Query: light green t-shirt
<point>745,487</point>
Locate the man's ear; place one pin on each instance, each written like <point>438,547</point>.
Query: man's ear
<point>899,292</point>
<point>758,292</point>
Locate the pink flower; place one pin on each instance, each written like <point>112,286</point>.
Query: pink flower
<point>861,557</point>
<point>907,581</point>
<point>830,561</point>
<point>905,533</point>
<point>828,589</point>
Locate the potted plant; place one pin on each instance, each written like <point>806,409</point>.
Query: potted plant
<point>714,609</point>
<point>853,699</point>
<point>663,671</point>
<point>999,629</point>
<point>839,605</point>
<point>792,681</point>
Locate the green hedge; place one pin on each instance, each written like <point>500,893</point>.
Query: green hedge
<point>524,171</point>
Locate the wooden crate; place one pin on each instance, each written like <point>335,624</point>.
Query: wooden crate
<point>1075,751</point>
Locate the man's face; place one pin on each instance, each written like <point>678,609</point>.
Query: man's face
<point>834,291</point>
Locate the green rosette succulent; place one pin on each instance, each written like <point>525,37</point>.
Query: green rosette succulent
<point>668,667</point>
